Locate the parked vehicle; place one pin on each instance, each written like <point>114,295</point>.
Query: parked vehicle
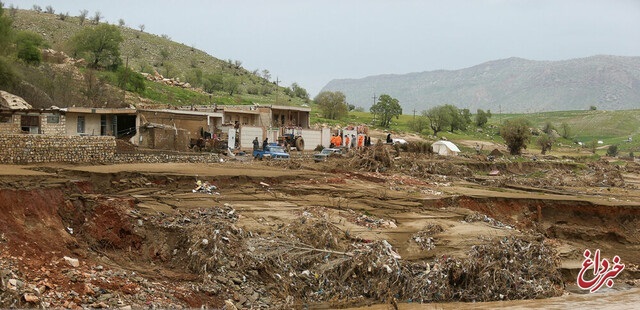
<point>326,153</point>
<point>272,151</point>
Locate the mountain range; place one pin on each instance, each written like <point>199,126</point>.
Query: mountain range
<point>508,85</point>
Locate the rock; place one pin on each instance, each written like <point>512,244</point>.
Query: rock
<point>28,297</point>
<point>237,280</point>
<point>228,304</point>
<point>73,262</point>
<point>254,297</point>
<point>125,307</point>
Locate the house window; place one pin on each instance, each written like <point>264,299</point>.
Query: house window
<point>80,124</point>
<point>6,118</point>
<point>53,119</point>
<point>30,124</point>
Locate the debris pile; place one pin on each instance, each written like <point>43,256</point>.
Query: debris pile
<point>479,217</point>
<point>425,238</point>
<point>507,269</point>
<point>376,158</point>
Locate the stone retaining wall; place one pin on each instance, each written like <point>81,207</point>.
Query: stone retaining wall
<point>166,158</point>
<point>26,149</point>
<point>29,149</point>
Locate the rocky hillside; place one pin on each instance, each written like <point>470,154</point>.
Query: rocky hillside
<point>509,85</point>
<point>59,82</point>
<point>143,51</point>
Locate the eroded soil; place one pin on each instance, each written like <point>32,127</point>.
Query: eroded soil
<point>272,230</point>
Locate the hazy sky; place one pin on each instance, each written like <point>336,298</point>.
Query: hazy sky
<point>313,42</point>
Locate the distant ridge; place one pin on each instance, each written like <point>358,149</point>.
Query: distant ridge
<point>510,85</point>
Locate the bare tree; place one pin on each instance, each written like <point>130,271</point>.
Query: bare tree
<point>121,22</point>
<point>141,26</point>
<point>83,16</point>
<point>63,16</point>
<point>97,17</point>
<point>49,9</point>
<point>37,8</point>
<point>266,74</point>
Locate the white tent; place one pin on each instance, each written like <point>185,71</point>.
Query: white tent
<point>445,148</point>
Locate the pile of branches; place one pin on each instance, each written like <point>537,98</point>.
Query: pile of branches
<point>333,271</point>
<point>506,269</point>
<point>376,158</point>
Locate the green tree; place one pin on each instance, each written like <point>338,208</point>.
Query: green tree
<point>212,83</point>
<point>548,128</point>
<point>231,85</point>
<point>101,44</point>
<point>130,80</point>
<point>565,130</point>
<point>28,46</point>
<point>299,91</point>
<point>482,117</point>
<point>195,77</point>
<point>164,56</point>
<point>545,142</point>
<point>419,123</point>
<point>459,118</point>
<point>612,150</point>
<point>5,31</point>
<point>386,109</point>
<point>8,77</point>
<point>439,118</point>
<point>332,104</point>
<point>516,134</point>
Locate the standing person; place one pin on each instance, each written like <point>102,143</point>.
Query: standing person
<point>353,141</point>
<point>389,140</point>
<point>360,141</point>
<point>347,141</point>
<point>256,144</point>
<point>338,141</point>
<point>265,143</point>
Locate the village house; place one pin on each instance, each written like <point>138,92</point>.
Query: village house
<point>19,117</point>
<point>117,122</point>
<point>166,129</point>
<point>174,129</point>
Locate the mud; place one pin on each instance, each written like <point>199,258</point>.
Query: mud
<point>283,235</point>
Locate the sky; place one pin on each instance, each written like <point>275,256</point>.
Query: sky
<point>311,42</point>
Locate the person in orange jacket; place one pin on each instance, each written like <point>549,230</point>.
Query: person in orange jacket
<point>360,140</point>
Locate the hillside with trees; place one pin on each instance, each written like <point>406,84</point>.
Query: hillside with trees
<point>513,85</point>
<point>53,58</point>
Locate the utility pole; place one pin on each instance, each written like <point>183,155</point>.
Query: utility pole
<point>414,114</point>
<point>374,99</point>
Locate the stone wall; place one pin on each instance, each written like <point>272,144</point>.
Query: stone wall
<point>11,124</point>
<point>53,124</point>
<point>25,149</point>
<point>203,158</point>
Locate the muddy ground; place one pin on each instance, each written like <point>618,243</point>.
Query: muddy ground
<point>369,228</point>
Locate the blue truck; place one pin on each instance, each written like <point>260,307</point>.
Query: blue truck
<point>272,151</point>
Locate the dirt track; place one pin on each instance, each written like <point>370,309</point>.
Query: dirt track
<point>133,221</point>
